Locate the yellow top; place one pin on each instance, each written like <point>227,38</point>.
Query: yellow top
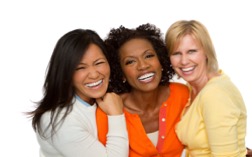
<point>215,122</point>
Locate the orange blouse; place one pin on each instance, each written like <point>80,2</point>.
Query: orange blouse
<point>140,146</point>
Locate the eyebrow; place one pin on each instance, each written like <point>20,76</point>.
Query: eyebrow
<point>104,58</point>
<point>146,51</point>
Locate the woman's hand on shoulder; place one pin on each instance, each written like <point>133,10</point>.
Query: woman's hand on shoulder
<point>249,153</point>
<point>111,104</point>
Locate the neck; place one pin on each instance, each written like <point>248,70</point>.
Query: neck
<point>199,84</point>
<point>139,101</point>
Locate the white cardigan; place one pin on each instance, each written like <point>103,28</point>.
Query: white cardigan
<point>77,135</point>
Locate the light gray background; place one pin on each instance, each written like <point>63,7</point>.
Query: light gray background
<point>29,30</point>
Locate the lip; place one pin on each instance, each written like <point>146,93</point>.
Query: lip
<point>146,77</point>
<point>187,69</point>
<point>95,84</point>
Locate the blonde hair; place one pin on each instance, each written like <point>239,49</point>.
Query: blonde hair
<point>183,27</point>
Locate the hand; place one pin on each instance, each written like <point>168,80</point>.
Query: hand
<point>249,153</point>
<point>111,104</point>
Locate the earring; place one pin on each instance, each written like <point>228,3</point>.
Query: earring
<point>124,80</point>
<point>178,77</point>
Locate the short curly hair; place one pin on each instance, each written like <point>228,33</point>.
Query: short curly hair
<point>117,37</point>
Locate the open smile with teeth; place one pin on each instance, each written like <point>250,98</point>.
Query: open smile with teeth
<point>187,69</point>
<point>146,77</point>
<point>94,84</point>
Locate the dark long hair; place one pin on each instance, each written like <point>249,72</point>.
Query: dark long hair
<point>117,37</point>
<point>58,86</point>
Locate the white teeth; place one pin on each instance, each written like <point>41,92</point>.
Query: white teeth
<point>146,76</point>
<point>187,69</point>
<point>94,84</point>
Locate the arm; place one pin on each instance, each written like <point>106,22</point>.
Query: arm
<point>112,105</point>
<point>77,136</point>
<point>222,113</point>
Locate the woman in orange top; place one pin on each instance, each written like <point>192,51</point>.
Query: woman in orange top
<point>140,73</point>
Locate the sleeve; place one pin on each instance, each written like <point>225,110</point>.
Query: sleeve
<point>221,115</point>
<point>117,138</point>
<point>74,139</point>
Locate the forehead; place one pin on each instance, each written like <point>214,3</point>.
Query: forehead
<point>134,46</point>
<point>187,39</point>
<point>93,52</point>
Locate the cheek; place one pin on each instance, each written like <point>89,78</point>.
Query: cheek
<point>200,59</point>
<point>128,72</point>
<point>174,60</point>
<point>158,65</point>
<point>106,70</point>
<point>77,77</point>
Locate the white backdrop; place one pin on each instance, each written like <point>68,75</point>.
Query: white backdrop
<point>30,29</point>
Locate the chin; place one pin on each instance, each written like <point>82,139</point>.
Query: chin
<point>99,94</point>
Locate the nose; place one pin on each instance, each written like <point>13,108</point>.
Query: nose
<point>184,60</point>
<point>142,65</point>
<point>93,73</point>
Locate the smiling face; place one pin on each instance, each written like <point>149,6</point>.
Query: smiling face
<point>189,60</point>
<point>140,65</point>
<point>91,77</point>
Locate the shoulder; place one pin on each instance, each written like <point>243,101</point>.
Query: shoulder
<point>220,86</point>
<point>179,93</point>
<point>179,87</point>
<point>220,93</point>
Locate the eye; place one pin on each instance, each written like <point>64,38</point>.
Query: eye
<point>129,62</point>
<point>100,62</point>
<point>149,56</point>
<point>192,51</point>
<point>175,53</point>
<point>80,68</point>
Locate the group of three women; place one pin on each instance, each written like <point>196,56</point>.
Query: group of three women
<point>150,115</point>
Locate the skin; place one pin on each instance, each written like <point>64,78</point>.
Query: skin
<point>91,80</point>
<point>92,74</point>
<point>190,62</point>
<point>249,152</point>
<point>143,72</point>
